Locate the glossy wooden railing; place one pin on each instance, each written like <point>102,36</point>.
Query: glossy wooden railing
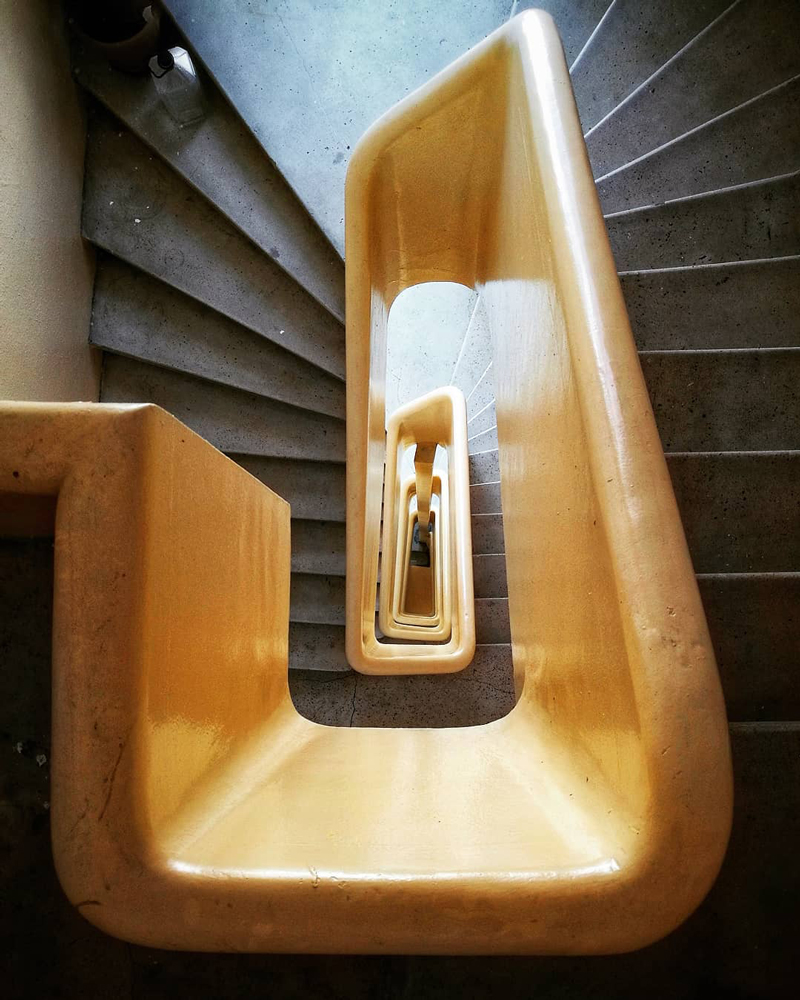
<point>193,807</point>
<point>482,177</point>
<point>443,640</point>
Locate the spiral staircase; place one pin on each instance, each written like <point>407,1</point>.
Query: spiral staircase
<point>219,296</point>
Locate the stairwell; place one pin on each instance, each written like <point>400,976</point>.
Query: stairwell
<point>219,296</point>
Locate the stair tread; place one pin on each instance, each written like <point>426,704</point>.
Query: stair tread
<point>632,43</point>
<point>744,304</point>
<point>487,534</point>
<point>318,547</point>
<point>489,575</point>
<point>749,49</point>
<point>755,628</point>
<point>483,420</point>
<point>139,316</point>
<point>750,222</point>
<point>137,208</point>
<point>761,139</point>
<point>742,400</point>
<point>232,420</point>
<point>483,441</point>
<point>481,395</point>
<point>221,159</point>
<point>317,104</point>
<point>315,490</point>
<point>484,468</point>
<point>317,647</point>
<point>485,498</point>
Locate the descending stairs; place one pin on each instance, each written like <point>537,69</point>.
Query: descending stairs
<point>219,296</point>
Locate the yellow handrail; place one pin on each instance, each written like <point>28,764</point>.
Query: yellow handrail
<point>448,644</point>
<point>194,808</point>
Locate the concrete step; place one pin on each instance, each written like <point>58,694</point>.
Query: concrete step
<point>575,21</point>
<point>632,43</point>
<point>754,621</point>
<point>483,421</point>
<point>750,222</point>
<point>232,420</point>
<point>744,400</point>
<point>481,693</point>
<point>485,498</point>
<point>491,620</point>
<point>315,490</point>
<point>483,441</point>
<point>749,49</point>
<point>740,510</point>
<point>327,71</point>
<point>221,159</point>
<point>758,140</point>
<point>317,599</point>
<point>481,395</point>
<point>317,647</point>
<point>746,304</point>
<point>476,351</point>
<point>320,599</point>
<point>489,574</point>
<point>487,534</point>
<point>318,547</point>
<point>140,210</point>
<point>139,316</point>
<point>484,468</point>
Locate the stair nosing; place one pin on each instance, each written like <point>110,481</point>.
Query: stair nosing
<point>705,194</point>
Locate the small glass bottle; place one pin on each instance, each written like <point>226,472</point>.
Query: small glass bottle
<point>178,86</point>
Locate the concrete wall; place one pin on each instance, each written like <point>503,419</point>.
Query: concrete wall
<point>46,271</point>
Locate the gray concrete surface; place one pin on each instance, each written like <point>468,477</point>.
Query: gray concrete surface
<point>725,400</point>
<point>220,158</point>
<point>315,490</point>
<point>309,76</point>
<point>138,209</point>
<point>232,420</point>
<point>750,49</point>
<point>137,315</point>
<point>760,139</point>
<point>318,547</point>
<point>750,222</point>
<point>740,510</point>
<point>745,304</point>
<point>633,42</point>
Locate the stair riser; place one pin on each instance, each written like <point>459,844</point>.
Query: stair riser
<point>726,401</point>
<point>231,420</point>
<point>221,159</point>
<point>717,72</point>
<point>718,307</point>
<point>633,42</point>
<point>143,318</point>
<point>759,140</point>
<point>752,222</point>
<point>138,209</point>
